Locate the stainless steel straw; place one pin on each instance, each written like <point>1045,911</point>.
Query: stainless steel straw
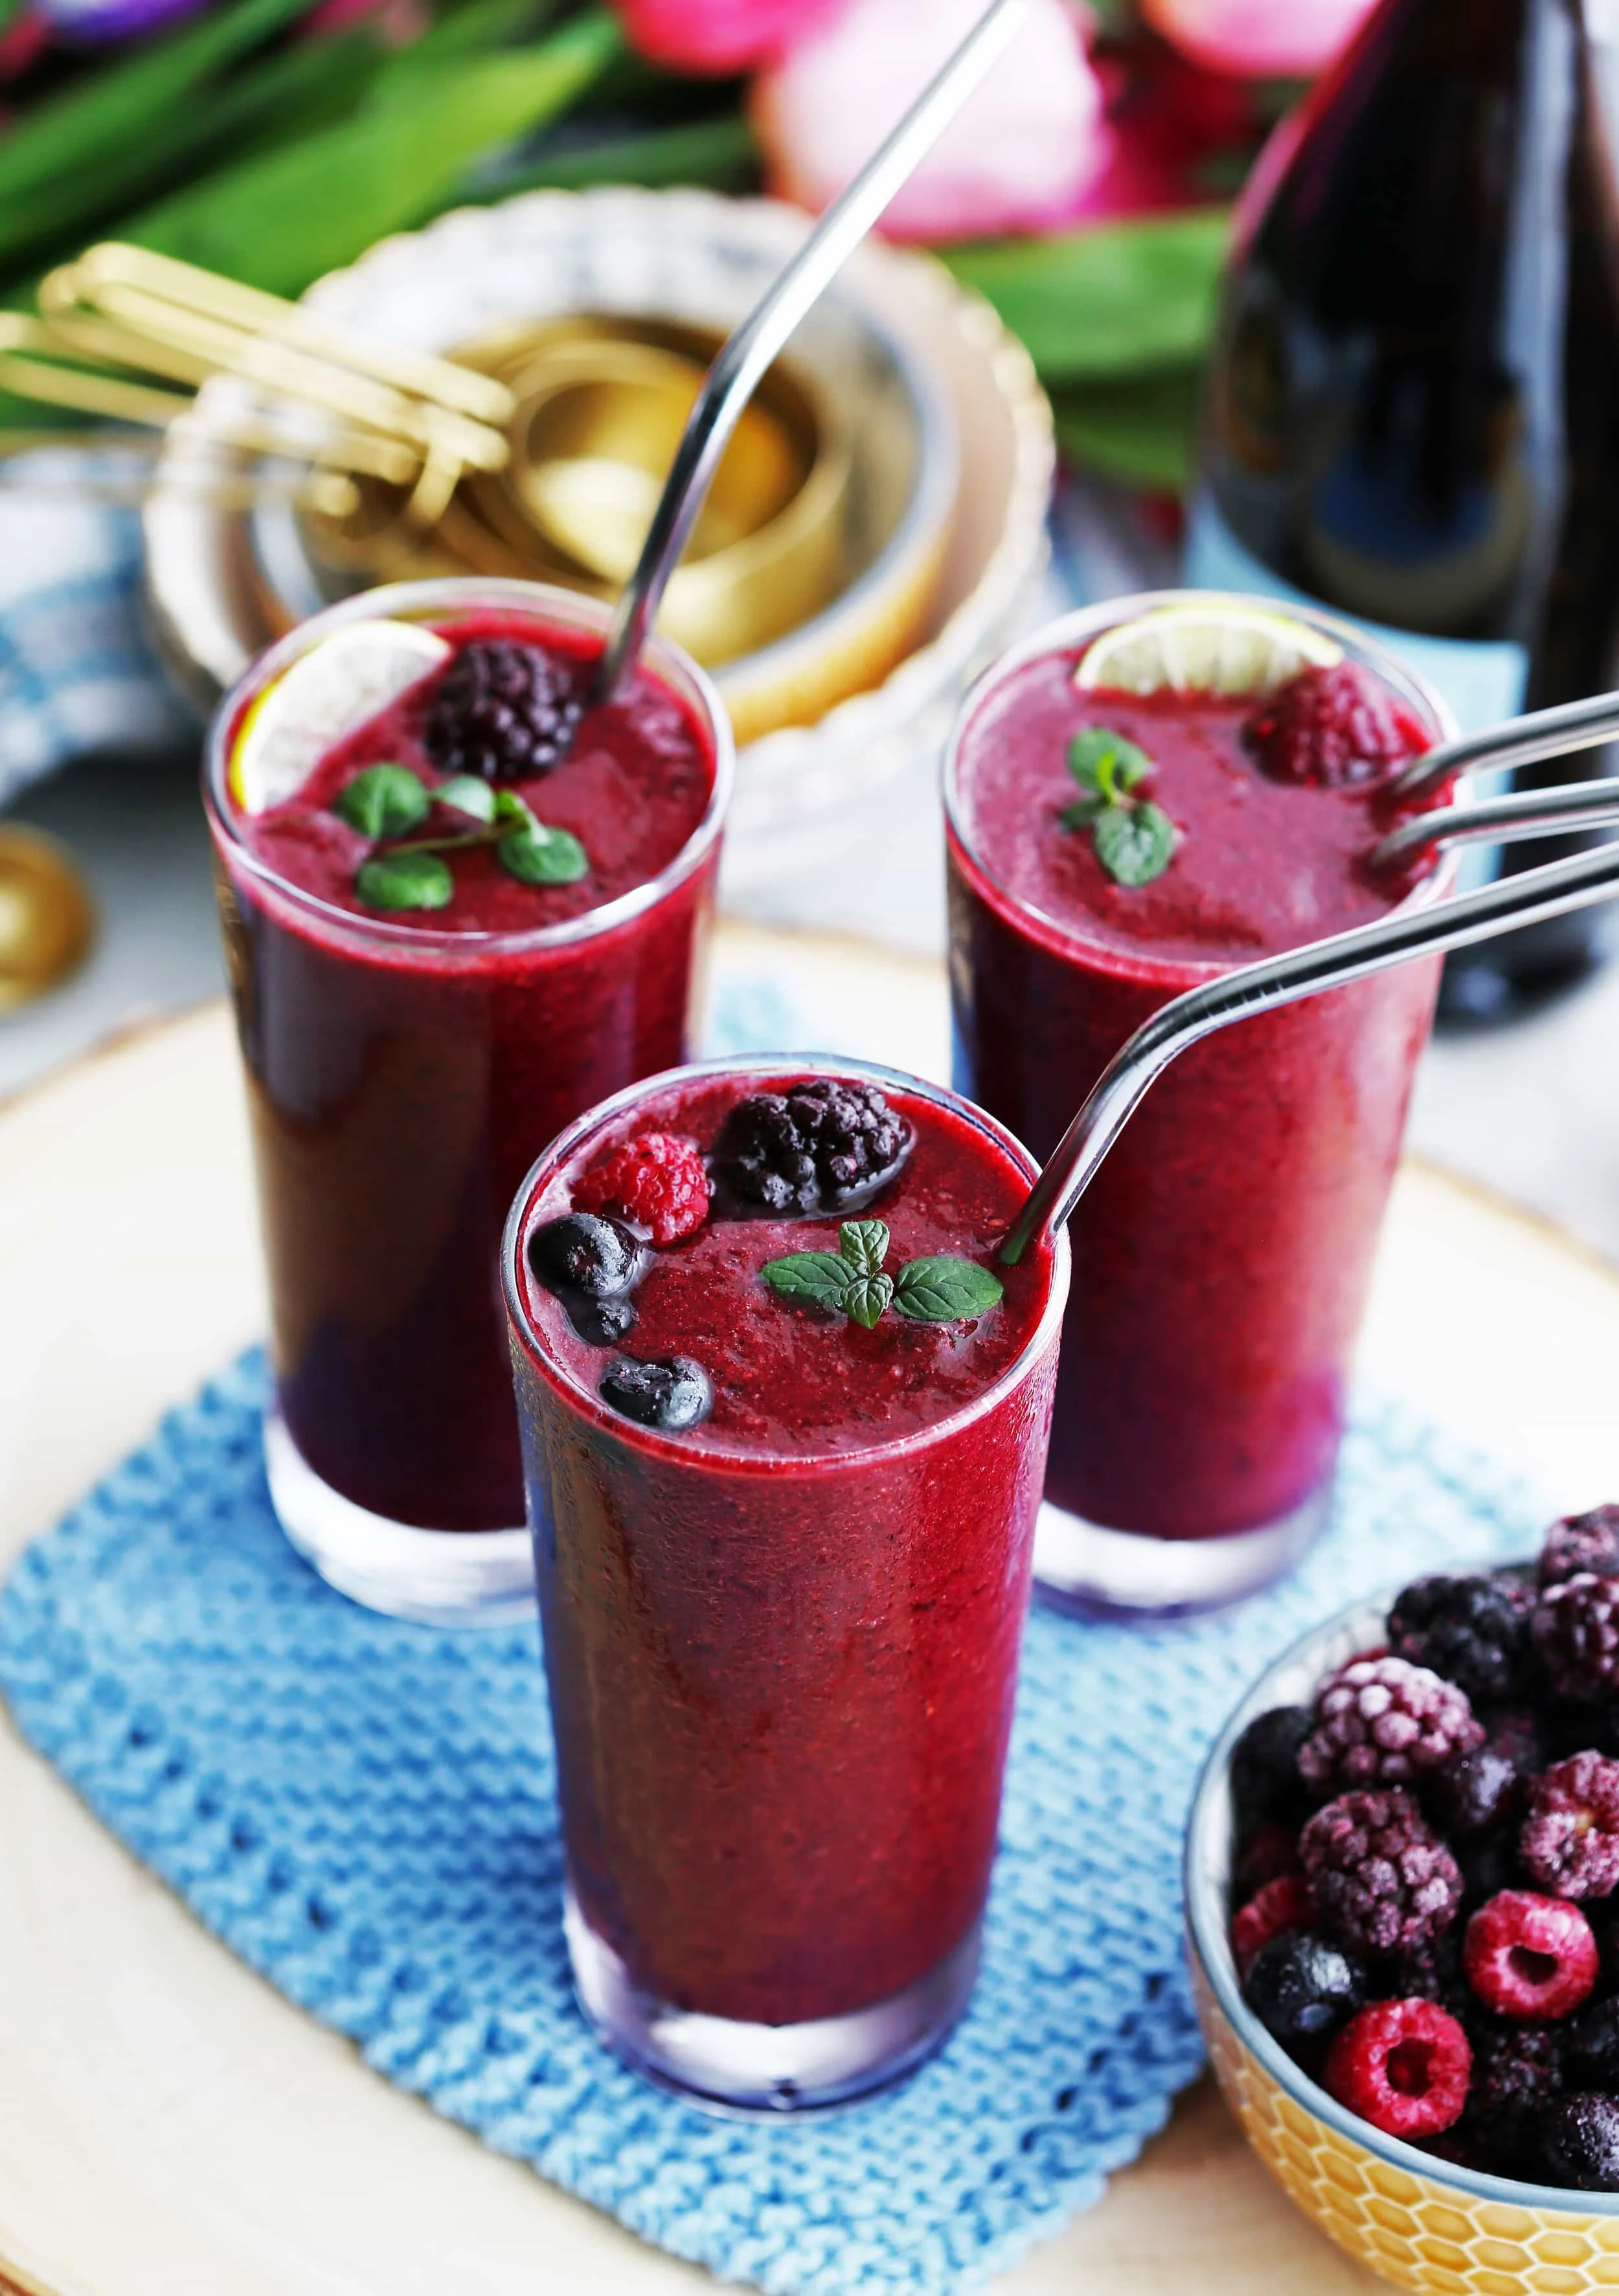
<point>1519,741</point>
<point>1332,964</point>
<point>741,362</point>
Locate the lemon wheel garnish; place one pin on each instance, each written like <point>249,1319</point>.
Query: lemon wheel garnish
<point>328,693</point>
<point>1217,647</point>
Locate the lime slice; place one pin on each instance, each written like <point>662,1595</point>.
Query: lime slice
<point>1219,647</point>
<point>327,693</point>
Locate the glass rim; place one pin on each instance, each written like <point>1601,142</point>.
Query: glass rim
<point>1086,622</point>
<point>419,600</point>
<point>672,1449</point>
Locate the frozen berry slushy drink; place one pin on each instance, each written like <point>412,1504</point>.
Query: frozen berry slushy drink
<point>1139,800</point>
<point>784,1425</point>
<point>462,902</point>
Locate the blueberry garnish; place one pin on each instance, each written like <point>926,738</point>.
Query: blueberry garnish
<point>588,1254</point>
<point>669,1394</point>
<point>600,1323</point>
<point>824,1146</point>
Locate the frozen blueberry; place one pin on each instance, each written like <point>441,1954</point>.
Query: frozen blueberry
<point>669,1394</point>
<point>1301,1988</point>
<point>585,1253</point>
<point>600,1323</point>
<point>1265,1781</point>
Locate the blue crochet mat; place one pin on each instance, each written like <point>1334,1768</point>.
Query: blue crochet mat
<point>363,1810</point>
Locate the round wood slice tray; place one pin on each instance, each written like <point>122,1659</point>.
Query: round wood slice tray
<point>168,2125</point>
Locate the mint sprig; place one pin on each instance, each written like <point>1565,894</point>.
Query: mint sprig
<point>938,1289</point>
<point>385,802</point>
<point>1134,839</point>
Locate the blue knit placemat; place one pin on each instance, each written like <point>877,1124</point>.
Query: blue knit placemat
<point>362,1811</point>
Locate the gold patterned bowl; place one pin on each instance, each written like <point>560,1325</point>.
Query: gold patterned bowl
<point>1419,2222</point>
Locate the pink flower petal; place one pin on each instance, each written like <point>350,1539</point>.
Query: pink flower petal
<point>719,36</point>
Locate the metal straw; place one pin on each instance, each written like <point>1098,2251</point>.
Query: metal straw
<point>1502,820</point>
<point>742,360</point>
<point>1332,964</point>
<point>1517,741</point>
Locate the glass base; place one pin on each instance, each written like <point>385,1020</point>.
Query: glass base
<point>438,1577</point>
<point>730,2067</point>
<point>1092,1573</point>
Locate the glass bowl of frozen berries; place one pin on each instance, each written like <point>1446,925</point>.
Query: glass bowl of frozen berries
<point>1402,1901</point>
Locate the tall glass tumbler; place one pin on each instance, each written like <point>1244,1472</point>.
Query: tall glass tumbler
<point>400,1079</point>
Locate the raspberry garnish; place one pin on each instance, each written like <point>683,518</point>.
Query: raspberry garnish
<point>1335,727</point>
<point>1384,1722</point>
<point>502,709</point>
<point>1528,1958</point>
<point>1280,1906</point>
<point>1472,1631</point>
<point>1577,1627</point>
<point>1381,1879</point>
<point>1402,2065</point>
<point>1579,2143</point>
<point>1569,1841</point>
<point>657,1181</point>
<point>1581,1543</point>
<point>822,1145</point>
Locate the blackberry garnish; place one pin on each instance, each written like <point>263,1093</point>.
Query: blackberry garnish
<point>671,1394</point>
<point>1302,1988</point>
<point>1474,1631</point>
<point>586,1254</point>
<point>503,709</point>
<point>1266,1786</point>
<point>821,1146</point>
<point>1382,1880</point>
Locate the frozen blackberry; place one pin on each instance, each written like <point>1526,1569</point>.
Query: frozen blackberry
<point>1577,1628</point>
<point>1517,2071</point>
<point>1569,1841</point>
<point>1488,1864</point>
<point>587,1255</point>
<point>1383,1721</point>
<point>1302,1988</point>
<point>1581,1543</point>
<point>1265,1782</point>
<point>1472,1793</point>
<point>1474,1631</point>
<point>1381,1879</point>
<point>671,1393</point>
<point>1518,1734</point>
<point>1592,2055</point>
<point>1579,2142</point>
<point>1270,1852</point>
<point>822,1145</point>
<point>503,709</point>
<point>1429,1971</point>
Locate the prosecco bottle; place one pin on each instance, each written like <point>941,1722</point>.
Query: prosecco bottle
<point>1413,409</point>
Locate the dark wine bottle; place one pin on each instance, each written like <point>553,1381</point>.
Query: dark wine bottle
<point>1413,408</point>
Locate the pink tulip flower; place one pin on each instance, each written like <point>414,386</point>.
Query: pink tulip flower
<point>1259,39</point>
<point>1019,156</point>
<point>719,36</point>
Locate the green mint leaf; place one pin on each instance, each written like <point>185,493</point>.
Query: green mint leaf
<point>406,881</point>
<point>819,1277</point>
<point>1134,844</point>
<point>510,807</point>
<point>542,856</point>
<point>383,801</point>
<point>1082,812</point>
<point>944,1290</point>
<point>467,793</point>
<point>1106,765</point>
<point>864,1244</point>
<point>866,1297</point>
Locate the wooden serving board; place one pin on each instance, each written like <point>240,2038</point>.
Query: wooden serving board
<point>168,2125</point>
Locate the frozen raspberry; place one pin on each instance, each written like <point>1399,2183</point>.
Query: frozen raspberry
<point>1474,1631</point>
<point>1402,2065</point>
<point>1335,726</point>
<point>1265,1781</point>
<point>502,709</point>
<point>1593,2056</point>
<point>1302,1988</point>
<point>1269,1853</point>
<point>1569,1841</point>
<point>1472,1793</point>
<point>1381,1879</point>
<point>1581,1544</point>
<point>657,1181</point>
<point>1528,1958</point>
<point>822,1145</point>
<point>1383,1722</point>
<point>1518,2071</point>
<point>1272,1912</point>
<point>1577,1627</point>
<point>1579,2142</point>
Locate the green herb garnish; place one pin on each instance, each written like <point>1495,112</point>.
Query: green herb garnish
<point>1134,839</point>
<point>386,802</point>
<point>940,1288</point>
